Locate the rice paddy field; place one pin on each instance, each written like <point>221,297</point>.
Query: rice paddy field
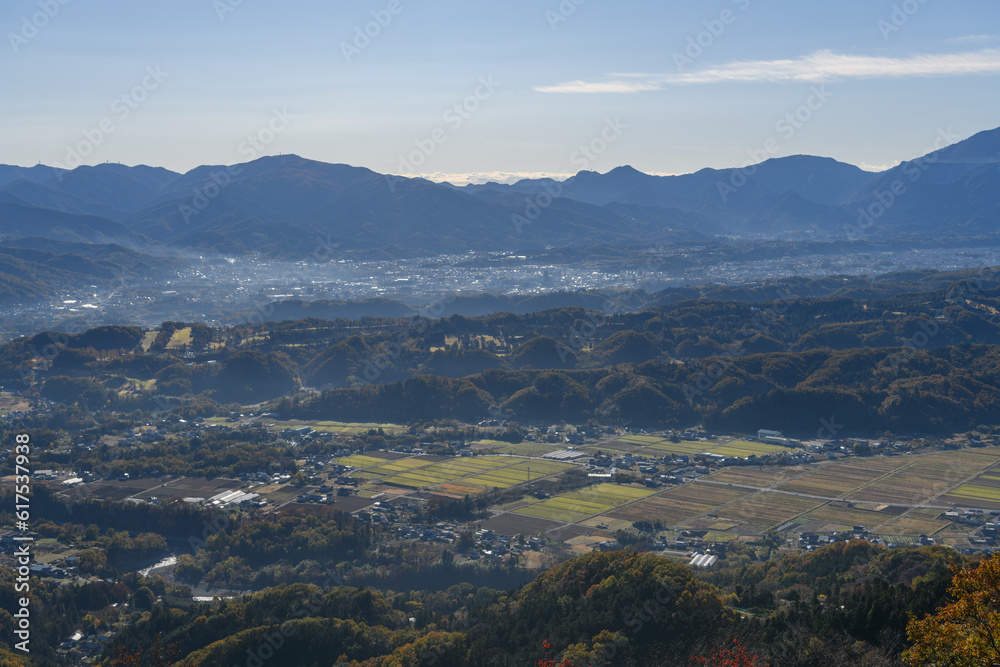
<point>975,495</point>
<point>528,449</point>
<point>770,510</point>
<point>655,446</point>
<point>886,495</point>
<point>581,504</point>
<point>360,461</point>
<point>916,523</point>
<point>978,492</point>
<point>982,492</point>
<point>454,476</point>
<point>837,480</point>
<point>757,477</point>
<point>681,504</point>
<point>426,476</point>
<point>519,473</point>
<point>488,446</point>
<point>836,517</point>
<point>927,476</point>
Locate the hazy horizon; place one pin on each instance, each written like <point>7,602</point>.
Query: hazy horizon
<point>450,91</point>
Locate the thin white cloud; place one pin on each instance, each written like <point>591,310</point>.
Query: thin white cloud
<point>818,67</point>
<point>507,177</point>
<point>878,168</point>
<point>602,87</point>
<point>478,177</point>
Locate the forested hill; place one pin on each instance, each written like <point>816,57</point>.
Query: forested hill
<point>847,604</point>
<point>921,361</point>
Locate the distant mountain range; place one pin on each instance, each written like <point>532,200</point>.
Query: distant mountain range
<point>288,206</point>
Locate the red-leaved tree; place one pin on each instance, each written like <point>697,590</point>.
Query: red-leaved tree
<point>551,662</point>
<point>737,656</point>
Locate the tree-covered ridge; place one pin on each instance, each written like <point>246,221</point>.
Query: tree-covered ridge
<point>905,361</point>
<point>630,608</point>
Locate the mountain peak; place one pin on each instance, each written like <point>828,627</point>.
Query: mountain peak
<point>982,147</point>
<point>626,170</point>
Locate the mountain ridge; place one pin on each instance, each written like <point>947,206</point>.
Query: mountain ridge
<point>278,206</point>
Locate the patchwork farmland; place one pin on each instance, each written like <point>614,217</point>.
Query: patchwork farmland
<point>453,476</point>
<point>583,503</point>
<point>899,497</point>
<point>648,445</point>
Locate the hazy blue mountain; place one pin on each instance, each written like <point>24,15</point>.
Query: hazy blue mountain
<point>38,174</point>
<point>116,185</point>
<point>819,179</point>
<point>40,195</point>
<point>110,190</point>
<point>772,197</point>
<point>952,191</point>
<point>983,147</point>
<point>289,206</point>
<point>18,221</point>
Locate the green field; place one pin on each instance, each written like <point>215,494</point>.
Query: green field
<point>147,340</point>
<point>434,474</point>
<point>180,338</point>
<point>688,447</point>
<point>977,492</point>
<point>476,473</point>
<point>519,473</point>
<point>360,461</point>
<point>489,445</point>
<point>735,448</point>
<point>583,503</point>
<point>401,465</point>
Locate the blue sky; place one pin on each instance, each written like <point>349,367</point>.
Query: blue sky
<point>538,85</point>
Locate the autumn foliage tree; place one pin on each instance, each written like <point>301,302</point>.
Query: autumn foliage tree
<point>551,662</point>
<point>157,655</point>
<point>965,633</point>
<point>736,656</point>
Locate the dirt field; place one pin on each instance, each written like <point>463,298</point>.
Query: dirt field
<point>512,524</point>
